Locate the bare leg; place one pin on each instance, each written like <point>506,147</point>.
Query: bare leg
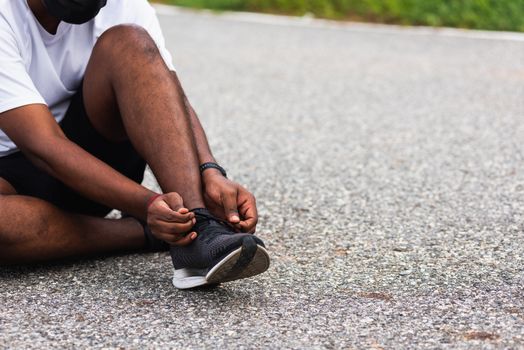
<point>33,230</point>
<point>129,92</point>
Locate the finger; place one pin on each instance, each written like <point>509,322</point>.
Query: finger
<point>176,238</point>
<point>186,240</point>
<point>249,214</point>
<point>161,210</point>
<point>177,227</point>
<point>248,225</point>
<point>178,218</point>
<point>183,210</point>
<point>229,201</point>
<point>237,227</point>
<point>171,227</point>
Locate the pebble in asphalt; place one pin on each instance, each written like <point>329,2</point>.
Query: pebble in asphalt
<point>389,172</point>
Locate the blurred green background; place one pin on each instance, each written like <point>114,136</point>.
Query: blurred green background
<point>475,14</point>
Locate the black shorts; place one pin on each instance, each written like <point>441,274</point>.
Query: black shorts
<point>31,181</point>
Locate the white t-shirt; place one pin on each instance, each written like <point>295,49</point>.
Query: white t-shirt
<point>40,68</point>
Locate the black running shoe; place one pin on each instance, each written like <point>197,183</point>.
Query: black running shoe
<point>218,254</point>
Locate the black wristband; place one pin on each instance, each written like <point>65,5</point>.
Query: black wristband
<point>210,165</point>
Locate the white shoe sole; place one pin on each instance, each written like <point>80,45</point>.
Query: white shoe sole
<point>223,271</point>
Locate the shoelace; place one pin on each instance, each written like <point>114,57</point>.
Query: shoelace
<point>206,219</point>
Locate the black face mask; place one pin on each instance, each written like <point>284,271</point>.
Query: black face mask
<point>74,11</point>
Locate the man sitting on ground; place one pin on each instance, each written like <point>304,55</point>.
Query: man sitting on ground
<point>88,97</point>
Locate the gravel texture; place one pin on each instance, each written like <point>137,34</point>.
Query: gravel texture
<point>389,172</point>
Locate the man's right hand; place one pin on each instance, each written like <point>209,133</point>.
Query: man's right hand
<point>170,221</point>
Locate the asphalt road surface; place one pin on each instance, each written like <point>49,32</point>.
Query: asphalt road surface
<point>388,164</point>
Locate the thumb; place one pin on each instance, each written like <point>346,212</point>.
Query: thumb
<point>229,201</point>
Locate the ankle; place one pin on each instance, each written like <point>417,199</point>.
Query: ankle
<point>137,230</point>
<point>194,204</point>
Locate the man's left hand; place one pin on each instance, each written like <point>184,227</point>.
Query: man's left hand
<point>230,201</point>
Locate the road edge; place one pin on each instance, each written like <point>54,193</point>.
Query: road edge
<point>311,22</point>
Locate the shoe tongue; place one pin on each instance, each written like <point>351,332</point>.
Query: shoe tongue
<point>204,218</point>
<point>201,211</point>
<point>205,221</point>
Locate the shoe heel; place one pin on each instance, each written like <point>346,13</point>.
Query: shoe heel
<point>249,249</point>
<point>238,263</point>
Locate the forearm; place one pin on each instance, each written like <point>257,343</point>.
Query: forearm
<point>91,177</point>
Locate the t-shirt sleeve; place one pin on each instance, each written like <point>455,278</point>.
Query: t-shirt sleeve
<point>16,86</point>
<point>146,17</point>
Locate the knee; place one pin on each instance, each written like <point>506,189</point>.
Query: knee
<point>127,41</point>
<point>15,227</point>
